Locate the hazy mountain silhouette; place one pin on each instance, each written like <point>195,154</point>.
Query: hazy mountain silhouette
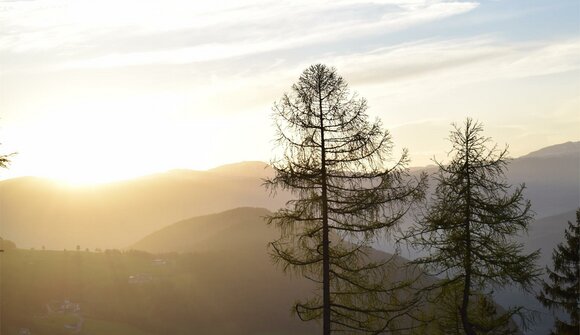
<point>37,212</point>
<point>564,149</point>
<point>552,178</point>
<point>230,231</point>
<point>546,233</point>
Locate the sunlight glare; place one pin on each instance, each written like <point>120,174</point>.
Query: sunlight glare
<point>94,143</point>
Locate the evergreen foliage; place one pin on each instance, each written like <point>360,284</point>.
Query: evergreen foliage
<point>334,160</point>
<point>563,289</point>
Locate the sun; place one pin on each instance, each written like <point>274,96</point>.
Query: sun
<point>107,141</point>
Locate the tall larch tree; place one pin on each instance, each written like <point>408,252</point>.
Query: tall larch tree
<point>468,231</point>
<point>348,191</point>
<point>562,289</point>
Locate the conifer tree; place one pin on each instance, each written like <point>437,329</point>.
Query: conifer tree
<point>334,160</point>
<point>468,232</point>
<point>563,289</point>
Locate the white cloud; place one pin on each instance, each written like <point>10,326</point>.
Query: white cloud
<point>220,30</point>
<point>231,61</point>
<point>428,67</point>
<point>543,59</point>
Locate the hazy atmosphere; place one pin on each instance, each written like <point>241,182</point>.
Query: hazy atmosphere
<point>397,167</point>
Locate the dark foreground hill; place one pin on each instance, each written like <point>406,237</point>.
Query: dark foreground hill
<point>237,241</point>
<point>237,275</point>
<point>224,284</point>
<point>211,275</point>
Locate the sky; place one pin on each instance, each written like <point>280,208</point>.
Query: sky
<point>97,91</point>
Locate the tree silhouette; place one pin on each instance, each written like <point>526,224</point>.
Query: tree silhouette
<point>468,227</point>
<point>563,289</point>
<point>334,161</point>
<point>4,160</point>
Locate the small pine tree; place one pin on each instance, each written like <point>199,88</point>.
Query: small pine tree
<point>563,289</point>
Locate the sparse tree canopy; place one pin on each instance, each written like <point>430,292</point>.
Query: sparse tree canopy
<point>4,161</point>
<point>335,161</point>
<point>5,244</point>
<point>563,289</point>
<point>468,231</point>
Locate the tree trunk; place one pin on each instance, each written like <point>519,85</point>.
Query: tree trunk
<point>325,230</point>
<point>467,326</point>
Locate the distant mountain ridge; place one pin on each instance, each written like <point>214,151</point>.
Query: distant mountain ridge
<point>552,178</point>
<point>37,212</point>
<point>567,148</point>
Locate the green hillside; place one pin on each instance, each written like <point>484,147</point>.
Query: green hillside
<point>133,292</point>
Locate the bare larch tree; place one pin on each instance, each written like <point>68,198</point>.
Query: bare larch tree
<point>335,163</point>
<point>468,231</point>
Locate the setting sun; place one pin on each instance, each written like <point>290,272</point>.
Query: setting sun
<point>110,140</point>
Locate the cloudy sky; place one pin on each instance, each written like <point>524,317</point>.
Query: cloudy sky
<point>102,90</point>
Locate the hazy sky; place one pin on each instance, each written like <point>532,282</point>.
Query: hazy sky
<point>101,90</point>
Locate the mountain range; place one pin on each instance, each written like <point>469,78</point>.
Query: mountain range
<point>216,214</point>
<point>36,212</point>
